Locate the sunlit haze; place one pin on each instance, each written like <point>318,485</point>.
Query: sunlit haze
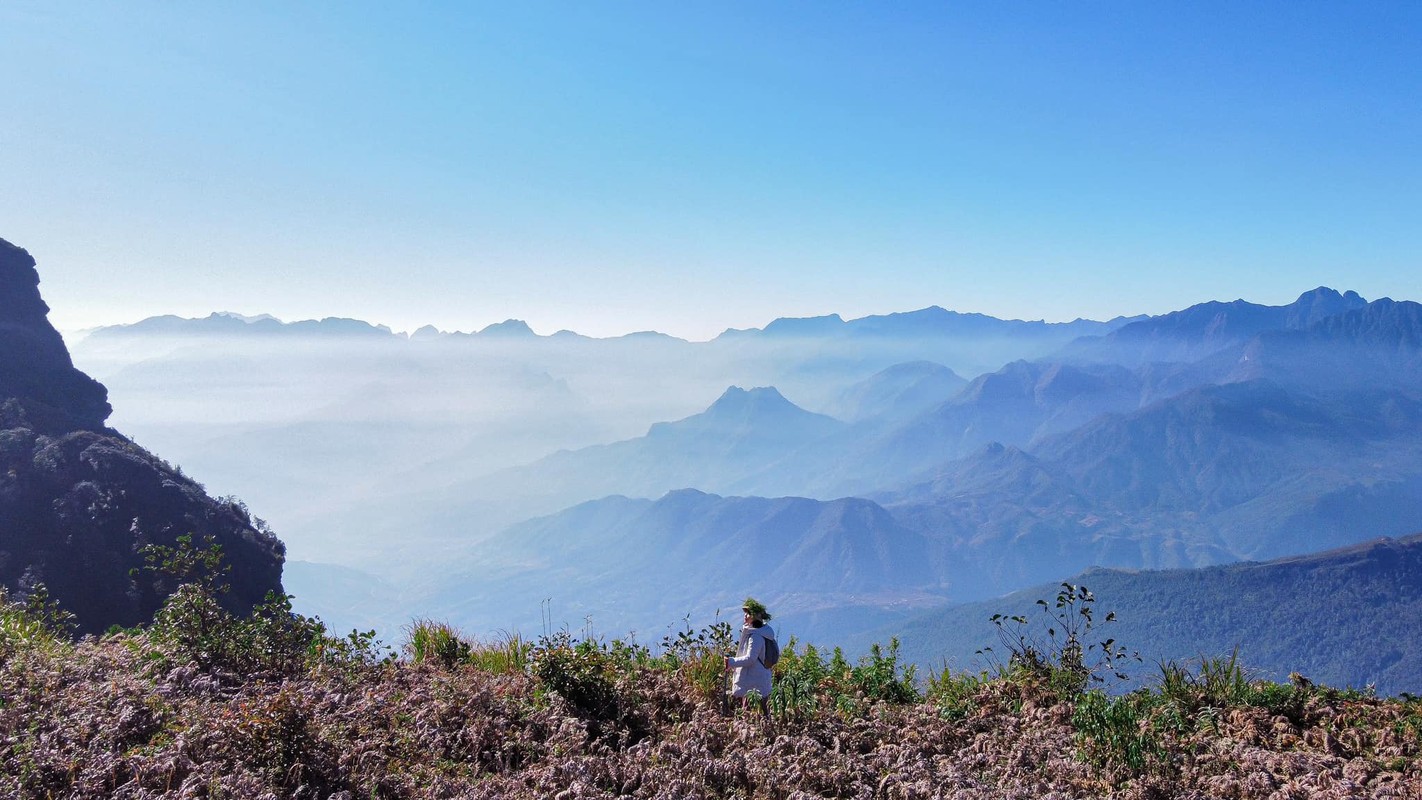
<point>609,168</point>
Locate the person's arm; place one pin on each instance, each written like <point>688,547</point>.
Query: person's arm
<point>757,647</point>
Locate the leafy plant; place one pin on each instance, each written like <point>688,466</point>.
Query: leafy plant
<point>187,564</point>
<point>955,695</point>
<point>805,683</point>
<point>1058,648</point>
<point>579,673</point>
<point>698,655</point>
<point>35,622</point>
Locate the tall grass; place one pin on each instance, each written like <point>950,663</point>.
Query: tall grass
<point>436,643</point>
<point>510,654</point>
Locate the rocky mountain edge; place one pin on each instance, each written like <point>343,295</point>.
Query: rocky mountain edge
<point>79,502</point>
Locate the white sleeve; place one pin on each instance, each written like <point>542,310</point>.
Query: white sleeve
<point>757,647</point>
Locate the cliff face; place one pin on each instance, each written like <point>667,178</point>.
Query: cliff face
<point>37,378</point>
<point>78,501</point>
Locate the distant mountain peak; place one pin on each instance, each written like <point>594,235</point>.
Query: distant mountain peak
<point>737,399</point>
<point>243,317</point>
<point>761,412</point>
<point>1319,304</point>
<point>509,327</point>
<point>804,326</point>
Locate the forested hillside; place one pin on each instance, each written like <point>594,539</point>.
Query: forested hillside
<point>1347,617</point>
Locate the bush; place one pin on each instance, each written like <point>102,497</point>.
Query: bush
<point>1068,658</point>
<point>956,696</point>
<point>35,623</point>
<point>192,627</point>
<point>805,683</point>
<point>436,643</point>
<point>698,656</point>
<point>579,673</point>
<point>1118,734</point>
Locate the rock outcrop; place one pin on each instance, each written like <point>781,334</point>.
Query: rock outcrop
<point>78,501</point>
<point>38,381</point>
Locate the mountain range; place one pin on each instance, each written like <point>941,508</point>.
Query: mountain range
<point>958,457</point>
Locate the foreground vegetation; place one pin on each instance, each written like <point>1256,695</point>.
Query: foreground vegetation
<point>204,704</point>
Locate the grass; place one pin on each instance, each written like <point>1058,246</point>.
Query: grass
<point>315,715</point>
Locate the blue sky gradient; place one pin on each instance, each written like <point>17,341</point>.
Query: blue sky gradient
<point>612,167</point>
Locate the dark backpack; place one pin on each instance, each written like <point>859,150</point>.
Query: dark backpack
<point>771,655</point>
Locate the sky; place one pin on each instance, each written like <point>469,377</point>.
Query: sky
<point>620,166</point>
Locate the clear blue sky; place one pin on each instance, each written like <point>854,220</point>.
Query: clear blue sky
<point>619,166</point>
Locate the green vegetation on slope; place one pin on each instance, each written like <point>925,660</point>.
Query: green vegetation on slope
<point>1347,617</point>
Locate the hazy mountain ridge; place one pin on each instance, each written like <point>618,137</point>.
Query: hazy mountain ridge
<point>1195,332</point>
<point>1216,474</point>
<point>1100,454</point>
<point>739,433</point>
<point>896,392</point>
<point>633,563</point>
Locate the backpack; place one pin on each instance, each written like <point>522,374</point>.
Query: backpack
<point>771,655</point>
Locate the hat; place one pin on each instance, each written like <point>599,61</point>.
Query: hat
<point>756,609</point>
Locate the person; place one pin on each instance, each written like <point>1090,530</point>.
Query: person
<point>748,673</point>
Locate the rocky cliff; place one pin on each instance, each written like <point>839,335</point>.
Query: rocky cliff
<point>78,501</point>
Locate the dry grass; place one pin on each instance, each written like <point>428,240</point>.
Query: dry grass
<point>119,717</point>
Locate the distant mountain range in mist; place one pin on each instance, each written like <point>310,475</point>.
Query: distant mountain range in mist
<point>927,322</point>
<point>853,473</point>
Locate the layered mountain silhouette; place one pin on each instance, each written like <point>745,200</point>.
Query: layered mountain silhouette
<point>740,433</point>
<point>647,563</point>
<point>1200,330</point>
<point>1048,467</point>
<point>78,501</point>
<point>223,324</point>
<point>899,392</point>
<point>1220,432</point>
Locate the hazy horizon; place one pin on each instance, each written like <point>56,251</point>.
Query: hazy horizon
<point>687,170</point>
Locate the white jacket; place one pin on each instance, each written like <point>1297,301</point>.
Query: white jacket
<point>747,671</point>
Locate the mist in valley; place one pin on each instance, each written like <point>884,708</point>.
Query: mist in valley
<point>867,471</point>
<point>393,459</point>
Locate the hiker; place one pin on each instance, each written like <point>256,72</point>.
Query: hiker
<point>749,670</point>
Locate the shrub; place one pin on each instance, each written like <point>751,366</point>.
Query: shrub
<point>1118,734</point>
<point>436,643</point>
<point>1068,659</point>
<point>579,673</point>
<point>698,656</point>
<point>805,683</point>
<point>955,695</point>
<point>35,623</point>
<point>193,627</point>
